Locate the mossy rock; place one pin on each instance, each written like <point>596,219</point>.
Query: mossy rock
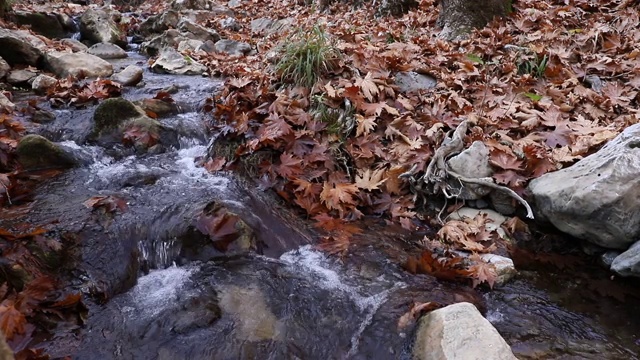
<point>112,113</point>
<point>36,152</point>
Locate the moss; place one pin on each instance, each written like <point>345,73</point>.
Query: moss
<point>112,113</point>
<point>36,152</point>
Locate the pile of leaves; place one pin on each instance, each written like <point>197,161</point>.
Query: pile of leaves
<point>73,92</point>
<point>545,87</point>
<point>30,299</point>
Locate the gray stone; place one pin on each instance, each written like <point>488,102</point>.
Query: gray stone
<point>159,23</point>
<point>43,23</point>
<point>234,4</point>
<point>113,117</point>
<point>42,83</point>
<point>36,152</point>
<point>459,332</point>
<point>596,199</point>
<point>172,62</point>
<point>20,47</point>
<point>607,258</point>
<point>43,116</point>
<point>628,263</point>
<point>410,81</point>
<point>473,163</point>
<point>169,39</point>
<point>229,23</point>
<point>202,16</point>
<point>505,269</point>
<point>78,64</point>
<point>68,23</point>
<point>232,47</point>
<point>20,77</point>
<point>107,51</point>
<point>6,104</point>
<point>159,107</point>
<point>98,26</point>
<point>199,32</point>
<point>4,68</point>
<point>74,45</point>
<point>191,45</point>
<point>267,26</point>
<point>130,76</point>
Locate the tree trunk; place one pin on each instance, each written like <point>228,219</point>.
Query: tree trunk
<point>4,7</point>
<point>459,17</point>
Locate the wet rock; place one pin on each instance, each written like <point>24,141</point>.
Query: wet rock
<point>229,23</point>
<point>20,77</point>
<point>158,23</point>
<point>112,114</point>
<point>232,47</point>
<point>158,107</point>
<point>172,62</point>
<point>505,269</point>
<point>459,332</point>
<point>410,81</point>
<point>191,45</point>
<point>473,163</point>
<point>594,199</point>
<point>267,26</point>
<point>36,152</point>
<point>169,39</point>
<point>68,23</point>
<point>6,104</point>
<point>253,318</point>
<point>43,116</point>
<point>628,263</point>
<point>606,258</point>
<point>4,68</point>
<point>42,83</point>
<point>130,76</point>
<point>78,64</point>
<point>107,51</point>
<point>74,45</point>
<point>43,23</point>
<point>198,5</point>
<point>98,26</point>
<point>20,47</point>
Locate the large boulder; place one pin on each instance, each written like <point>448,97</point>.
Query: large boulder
<point>199,32</point>
<point>98,26</point>
<point>20,47</point>
<point>43,23</point>
<point>597,198</point>
<point>118,121</point>
<point>459,332</point>
<point>107,51</point>
<point>172,62</point>
<point>21,77</point>
<point>159,23</point>
<point>170,38</point>
<point>36,152</point>
<point>64,64</point>
<point>130,76</point>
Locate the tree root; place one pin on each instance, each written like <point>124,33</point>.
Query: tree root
<point>434,180</point>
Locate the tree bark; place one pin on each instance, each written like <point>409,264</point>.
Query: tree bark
<point>459,17</point>
<point>4,8</point>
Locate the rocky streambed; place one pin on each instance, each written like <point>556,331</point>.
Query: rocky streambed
<point>156,288</point>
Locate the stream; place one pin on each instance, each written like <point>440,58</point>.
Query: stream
<point>168,300</point>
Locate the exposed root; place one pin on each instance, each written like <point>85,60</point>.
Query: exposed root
<point>434,180</point>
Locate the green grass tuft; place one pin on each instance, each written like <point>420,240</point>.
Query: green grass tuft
<point>305,59</point>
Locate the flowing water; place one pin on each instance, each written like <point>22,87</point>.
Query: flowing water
<point>290,301</point>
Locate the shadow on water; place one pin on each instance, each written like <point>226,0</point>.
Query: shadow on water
<point>289,301</point>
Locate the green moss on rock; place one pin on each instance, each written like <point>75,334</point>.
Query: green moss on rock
<point>113,113</point>
<point>36,152</point>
